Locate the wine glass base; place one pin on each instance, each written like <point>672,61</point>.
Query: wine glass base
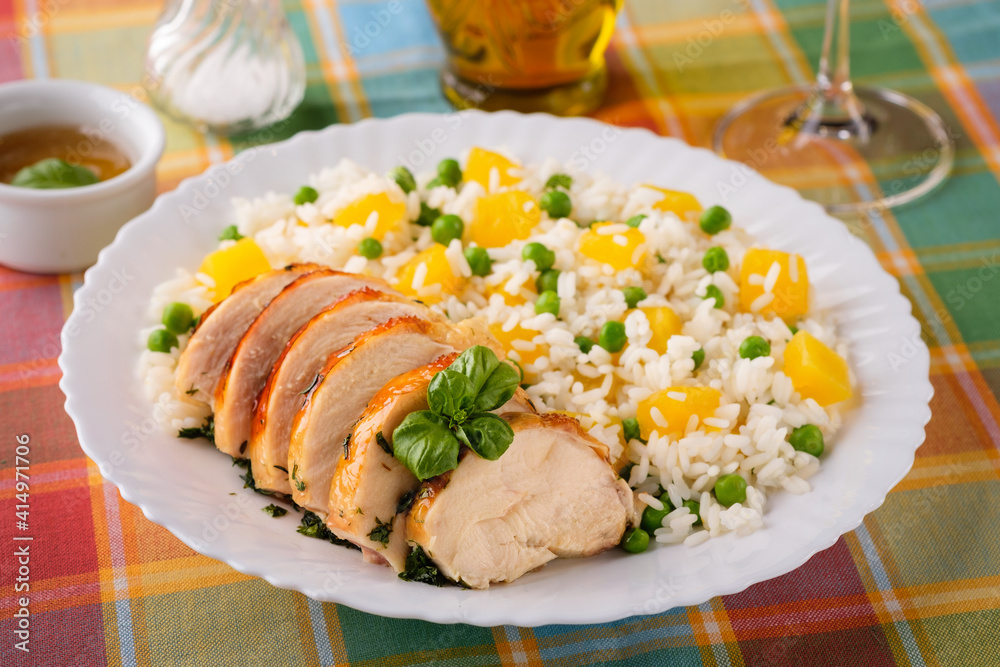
<point>907,152</point>
<point>571,99</point>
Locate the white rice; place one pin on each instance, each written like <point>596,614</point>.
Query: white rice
<point>748,433</point>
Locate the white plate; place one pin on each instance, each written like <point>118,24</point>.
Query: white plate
<point>188,487</point>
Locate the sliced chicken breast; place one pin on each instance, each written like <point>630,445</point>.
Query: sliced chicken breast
<point>220,328</point>
<point>301,362</point>
<point>369,484</point>
<point>553,494</point>
<point>347,383</point>
<point>263,343</point>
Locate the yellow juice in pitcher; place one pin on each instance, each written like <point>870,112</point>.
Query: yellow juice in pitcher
<point>534,55</point>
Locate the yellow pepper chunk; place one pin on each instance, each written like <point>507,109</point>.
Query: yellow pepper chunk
<point>231,266</point>
<point>664,323</point>
<point>481,162</point>
<point>816,371</point>
<point>509,299</point>
<point>791,291</point>
<point>438,273</point>
<point>701,401</point>
<point>621,250</point>
<point>391,214</point>
<point>684,204</point>
<point>503,218</point>
<point>525,337</point>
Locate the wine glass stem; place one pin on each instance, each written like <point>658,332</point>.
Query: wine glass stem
<point>834,109</point>
<point>834,72</point>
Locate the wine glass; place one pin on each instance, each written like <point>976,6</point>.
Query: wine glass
<point>851,149</point>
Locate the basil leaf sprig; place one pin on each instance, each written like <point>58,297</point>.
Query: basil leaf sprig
<point>460,398</point>
<point>53,174</point>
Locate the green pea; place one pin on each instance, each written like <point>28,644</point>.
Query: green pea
<point>230,233</point>
<point>548,302</point>
<point>540,255</point>
<point>161,340</point>
<point>306,195</point>
<point>626,471</point>
<point>584,343</point>
<point>446,228</point>
<point>479,261</point>
<point>370,248</point>
<point>731,489</point>
<point>404,179</point>
<point>794,329</point>
<point>635,540</point>
<point>612,337</point>
<point>563,181</point>
<point>427,215</point>
<point>635,220</point>
<point>449,172</point>
<point>715,259</point>
<point>633,295</point>
<point>652,518</point>
<point>630,429</point>
<point>808,439</point>
<point>437,182</point>
<point>695,508</point>
<point>556,203</point>
<point>547,281</point>
<point>713,292</point>
<point>753,347</point>
<point>178,318</point>
<point>714,220</point>
<point>699,357</point>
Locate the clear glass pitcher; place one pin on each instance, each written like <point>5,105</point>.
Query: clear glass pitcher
<point>225,66</point>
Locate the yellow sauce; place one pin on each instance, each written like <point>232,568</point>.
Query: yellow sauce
<point>26,147</point>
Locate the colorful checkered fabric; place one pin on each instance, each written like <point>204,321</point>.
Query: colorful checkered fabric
<point>917,584</point>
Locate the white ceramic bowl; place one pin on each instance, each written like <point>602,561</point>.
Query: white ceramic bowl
<point>57,231</point>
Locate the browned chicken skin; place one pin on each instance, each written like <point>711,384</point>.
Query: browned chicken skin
<point>298,366</point>
<point>222,326</point>
<point>350,379</point>
<point>263,343</point>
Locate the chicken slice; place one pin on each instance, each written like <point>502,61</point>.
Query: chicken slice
<point>263,343</point>
<point>220,328</point>
<point>553,494</point>
<point>370,482</point>
<point>347,383</point>
<point>300,363</point>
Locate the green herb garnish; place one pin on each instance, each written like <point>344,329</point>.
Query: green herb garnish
<point>230,233</point>
<point>247,477</point>
<point>191,392</point>
<point>460,398</point>
<point>311,386</point>
<point>381,532</point>
<point>206,430</point>
<point>313,526</point>
<point>274,510</point>
<point>420,568</point>
<point>383,443</point>
<point>405,501</point>
<point>299,484</point>
<point>53,174</point>
<point>347,446</point>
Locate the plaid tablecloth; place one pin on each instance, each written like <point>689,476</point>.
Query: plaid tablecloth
<point>917,584</point>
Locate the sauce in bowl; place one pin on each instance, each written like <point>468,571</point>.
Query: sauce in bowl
<point>24,148</point>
